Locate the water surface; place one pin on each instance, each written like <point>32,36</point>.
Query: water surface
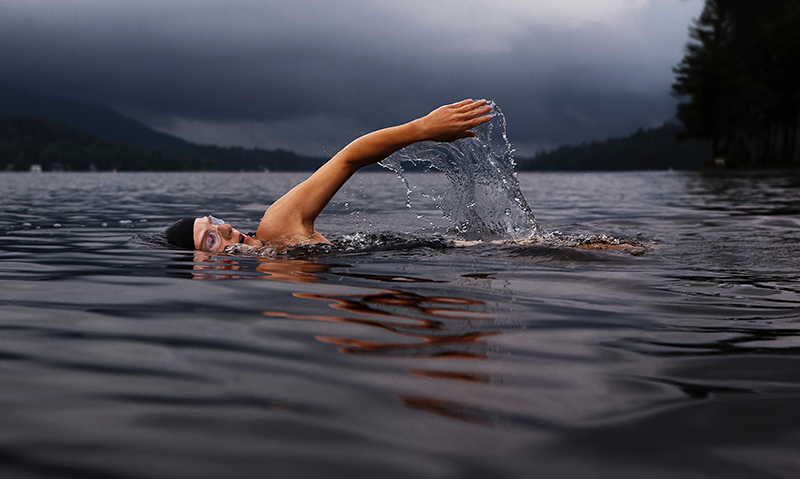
<point>400,353</point>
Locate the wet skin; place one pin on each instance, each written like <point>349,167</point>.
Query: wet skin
<point>226,235</point>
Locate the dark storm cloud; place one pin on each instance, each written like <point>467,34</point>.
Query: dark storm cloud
<point>310,75</point>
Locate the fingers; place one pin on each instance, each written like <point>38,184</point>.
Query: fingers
<point>469,104</point>
<point>477,109</point>
<point>483,114</point>
<point>474,113</point>
<point>463,103</point>
<point>478,117</point>
<point>478,103</point>
<point>452,122</point>
<point>468,108</point>
<point>482,111</point>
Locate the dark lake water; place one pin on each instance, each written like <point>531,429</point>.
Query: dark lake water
<point>401,353</point>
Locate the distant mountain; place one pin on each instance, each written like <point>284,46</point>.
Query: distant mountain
<point>28,140</point>
<point>654,149</point>
<point>46,129</point>
<point>100,121</point>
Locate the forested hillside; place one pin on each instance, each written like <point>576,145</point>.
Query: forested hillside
<point>27,140</point>
<point>655,149</point>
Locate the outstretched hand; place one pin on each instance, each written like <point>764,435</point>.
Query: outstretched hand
<point>453,122</point>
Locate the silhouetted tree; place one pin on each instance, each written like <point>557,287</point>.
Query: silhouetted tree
<point>741,79</point>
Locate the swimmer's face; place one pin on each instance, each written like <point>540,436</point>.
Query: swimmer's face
<point>214,235</point>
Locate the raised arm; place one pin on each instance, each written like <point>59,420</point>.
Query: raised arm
<point>291,218</point>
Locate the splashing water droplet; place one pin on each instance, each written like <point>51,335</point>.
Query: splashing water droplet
<point>483,200</point>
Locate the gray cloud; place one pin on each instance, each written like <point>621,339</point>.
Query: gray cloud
<point>310,75</point>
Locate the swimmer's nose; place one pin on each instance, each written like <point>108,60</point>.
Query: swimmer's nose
<point>226,230</point>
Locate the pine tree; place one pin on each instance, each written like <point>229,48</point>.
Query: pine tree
<point>741,79</point>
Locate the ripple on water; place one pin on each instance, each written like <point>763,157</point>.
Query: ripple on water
<point>405,353</point>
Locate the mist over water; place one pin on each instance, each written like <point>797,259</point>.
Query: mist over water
<point>482,200</point>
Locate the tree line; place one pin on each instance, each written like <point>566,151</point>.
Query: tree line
<point>27,140</point>
<point>651,149</point>
<point>740,81</point>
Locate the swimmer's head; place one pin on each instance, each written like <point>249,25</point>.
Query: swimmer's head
<point>206,234</point>
<point>181,233</point>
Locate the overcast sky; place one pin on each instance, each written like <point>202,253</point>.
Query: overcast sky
<point>311,75</point>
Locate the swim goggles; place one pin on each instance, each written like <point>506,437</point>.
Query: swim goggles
<point>212,240</point>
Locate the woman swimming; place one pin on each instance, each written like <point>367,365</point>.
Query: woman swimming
<point>290,220</point>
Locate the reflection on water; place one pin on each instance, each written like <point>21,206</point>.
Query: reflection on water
<point>400,352</point>
<point>294,270</point>
<point>420,326</point>
<point>755,193</point>
<point>419,322</point>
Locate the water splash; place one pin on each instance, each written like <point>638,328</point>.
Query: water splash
<point>483,200</point>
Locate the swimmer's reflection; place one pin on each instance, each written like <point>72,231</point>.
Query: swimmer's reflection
<point>432,327</point>
<point>208,266</point>
<point>423,326</point>
<point>418,326</point>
